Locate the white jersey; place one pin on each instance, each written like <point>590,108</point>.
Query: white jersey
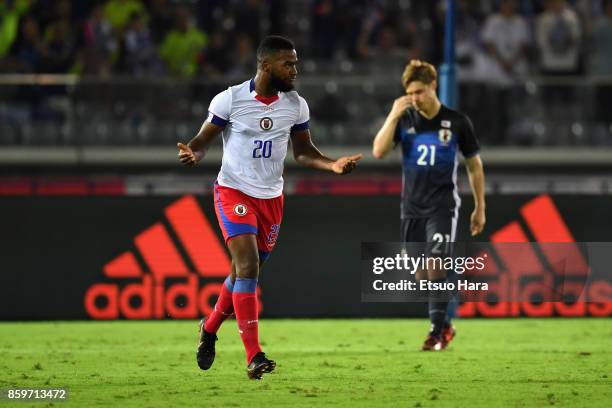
<point>255,137</point>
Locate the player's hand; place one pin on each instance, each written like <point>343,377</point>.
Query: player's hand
<point>400,105</point>
<point>187,156</point>
<point>345,164</point>
<point>477,221</point>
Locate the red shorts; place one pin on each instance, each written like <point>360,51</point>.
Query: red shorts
<point>238,214</point>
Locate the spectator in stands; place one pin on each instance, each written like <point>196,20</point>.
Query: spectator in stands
<point>47,12</point>
<point>99,44</point>
<point>60,48</point>
<point>383,44</point>
<point>118,12</point>
<point>601,37</point>
<point>248,15</point>
<point>242,57</point>
<point>160,19</point>
<point>602,62</point>
<point>60,40</point>
<point>63,11</point>
<point>212,14</point>
<point>387,41</point>
<point>60,57</point>
<point>10,13</point>
<point>505,37</point>
<point>182,45</point>
<point>373,21</point>
<point>138,53</point>
<point>27,51</point>
<point>468,12</point>
<point>324,28</point>
<point>215,58</point>
<point>558,33</point>
<point>386,54</point>
<point>473,68</point>
<point>469,55</point>
<point>349,24</point>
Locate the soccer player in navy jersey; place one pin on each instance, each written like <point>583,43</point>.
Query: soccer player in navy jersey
<point>431,134</point>
<point>256,119</point>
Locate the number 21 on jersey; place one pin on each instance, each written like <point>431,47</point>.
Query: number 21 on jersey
<point>427,155</point>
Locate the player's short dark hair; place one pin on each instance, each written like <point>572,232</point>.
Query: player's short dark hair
<point>273,44</point>
<point>418,70</point>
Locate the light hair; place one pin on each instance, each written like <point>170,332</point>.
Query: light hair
<point>420,71</point>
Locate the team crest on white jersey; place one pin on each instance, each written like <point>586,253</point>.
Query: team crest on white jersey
<point>445,136</point>
<point>255,139</point>
<point>266,123</point>
<point>240,210</point>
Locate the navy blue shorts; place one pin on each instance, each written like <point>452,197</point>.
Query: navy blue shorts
<point>437,231</point>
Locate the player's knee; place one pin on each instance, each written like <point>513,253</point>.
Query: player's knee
<point>247,268</point>
<point>436,274</point>
<point>421,275</point>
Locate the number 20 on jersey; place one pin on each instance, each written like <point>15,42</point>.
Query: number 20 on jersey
<point>263,148</point>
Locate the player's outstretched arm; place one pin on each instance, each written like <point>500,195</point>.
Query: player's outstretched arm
<point>476,176</point>
<point>383,142</point>
<point>305,153</point>
<point>195,150</point>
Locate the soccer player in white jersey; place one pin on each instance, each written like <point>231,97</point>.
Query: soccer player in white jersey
<point>256,120</point>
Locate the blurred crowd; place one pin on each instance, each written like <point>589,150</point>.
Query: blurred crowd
<point>133,37</point>
<point>497,41</point>
<point>501,46</point>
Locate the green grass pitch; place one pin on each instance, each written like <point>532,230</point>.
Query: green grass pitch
<point>516,363</point>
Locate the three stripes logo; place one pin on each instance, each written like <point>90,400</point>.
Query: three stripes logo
<point>169,287</point>
<point>154,280</point>
<point>516,265</point>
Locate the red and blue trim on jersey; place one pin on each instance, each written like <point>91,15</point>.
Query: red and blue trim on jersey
<point>268,100</point>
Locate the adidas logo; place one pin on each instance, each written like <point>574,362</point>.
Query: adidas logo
<point>168,287</point>
<point>518,279</point>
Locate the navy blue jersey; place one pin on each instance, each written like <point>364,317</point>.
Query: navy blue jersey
<point>429,150</point>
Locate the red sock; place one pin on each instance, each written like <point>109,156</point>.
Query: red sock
<point>224,307</point>
<point>245,307</point>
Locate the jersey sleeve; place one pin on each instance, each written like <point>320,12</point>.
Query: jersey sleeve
<point>468,144</point>
<point>220,108</point>
<point>303,120</point>
<point>403,123</point>
<point>397,133</point>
